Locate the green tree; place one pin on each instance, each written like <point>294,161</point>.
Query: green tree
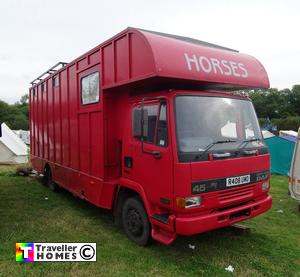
<point>274,103</point>
<point>24,99</point>
<point>294,99</point>
<point>16,116</point>
<point>258,98</point>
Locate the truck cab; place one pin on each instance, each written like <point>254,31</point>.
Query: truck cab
<point>200,158</point>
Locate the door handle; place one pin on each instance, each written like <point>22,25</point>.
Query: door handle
<point>156,154</point>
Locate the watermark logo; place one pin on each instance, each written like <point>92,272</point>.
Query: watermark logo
<point>24,252</point>
<point>55,252</point>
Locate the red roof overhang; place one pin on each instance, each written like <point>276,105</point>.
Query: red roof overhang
<point>181,59</point>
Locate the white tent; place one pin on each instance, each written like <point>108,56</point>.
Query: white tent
<point>267,134</point>
<point>23,135</point>
<point>12,149</point>
<point>288,133</point>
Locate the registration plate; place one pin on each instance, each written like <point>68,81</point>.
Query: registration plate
<point>238,180</point>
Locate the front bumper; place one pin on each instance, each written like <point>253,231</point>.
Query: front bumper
<point>203,223</point>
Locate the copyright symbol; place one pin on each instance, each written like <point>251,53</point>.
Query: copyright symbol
<point>87,252</point>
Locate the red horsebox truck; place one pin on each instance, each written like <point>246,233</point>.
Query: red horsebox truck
<point>146,124</point>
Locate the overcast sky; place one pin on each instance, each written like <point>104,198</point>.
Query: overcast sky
<point>35,34</point>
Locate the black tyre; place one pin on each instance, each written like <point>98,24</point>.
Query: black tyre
<point>135,221</point>
<point>48,181</point>
<point>46,176</point>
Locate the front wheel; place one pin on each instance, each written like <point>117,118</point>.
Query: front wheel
<point>135,221</point>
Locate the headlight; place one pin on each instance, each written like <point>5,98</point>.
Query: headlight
<point>188,202</point>
<point>265,185</point>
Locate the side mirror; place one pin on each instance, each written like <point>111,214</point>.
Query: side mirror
<point>139,124</point>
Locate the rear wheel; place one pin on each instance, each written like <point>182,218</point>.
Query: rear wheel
<point>48,181</point>
<point>135,221</point>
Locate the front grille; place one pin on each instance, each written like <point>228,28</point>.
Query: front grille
<point>234,206</point>
<point>239,193</point>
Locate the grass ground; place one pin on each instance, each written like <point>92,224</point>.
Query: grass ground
<point>272,248</point>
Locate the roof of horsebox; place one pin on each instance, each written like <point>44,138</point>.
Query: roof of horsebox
<point>187,58</point>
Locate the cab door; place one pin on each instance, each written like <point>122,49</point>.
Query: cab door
<point>151,160</point>
<point>295,171</point>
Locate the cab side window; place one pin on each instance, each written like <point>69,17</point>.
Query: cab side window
<point>152,121</point>
<point>162,129</point>
<point>157,131</point>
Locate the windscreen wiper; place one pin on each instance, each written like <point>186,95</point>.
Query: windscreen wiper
<point>246,142</point>
<point>214,143</point>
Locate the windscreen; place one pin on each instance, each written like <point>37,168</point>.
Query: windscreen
<point>203,120</point>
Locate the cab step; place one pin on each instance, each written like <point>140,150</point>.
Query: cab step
<point>163,236</point>
<point>163,218</point>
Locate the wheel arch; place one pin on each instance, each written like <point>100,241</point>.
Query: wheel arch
<point>125,189</point>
